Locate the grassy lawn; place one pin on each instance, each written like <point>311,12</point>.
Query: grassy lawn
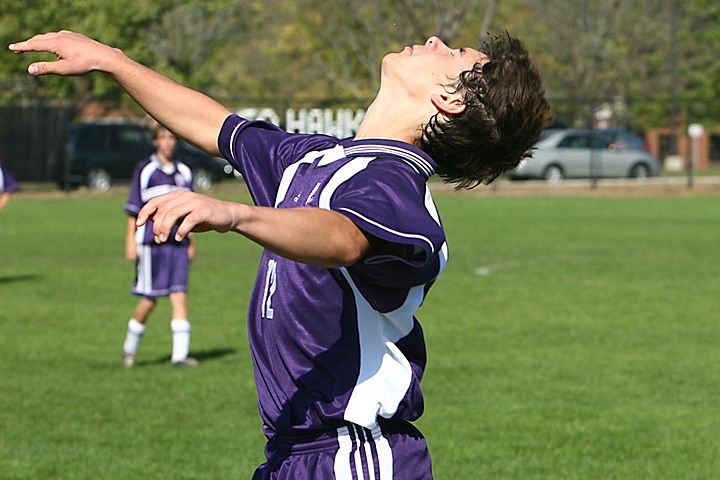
<point>569,338</point>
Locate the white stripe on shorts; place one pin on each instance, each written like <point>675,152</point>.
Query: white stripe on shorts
<point>356,451</point>
<point>144,270</point>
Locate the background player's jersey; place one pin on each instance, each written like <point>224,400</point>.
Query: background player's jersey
<point>151,179</point>
<point>7,182</point>
<point>337,345</point>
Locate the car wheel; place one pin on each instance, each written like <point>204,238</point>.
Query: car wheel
<point>98,179</point>
<point>202,180</point>
<point>640,171</point>
<point>553,174</point>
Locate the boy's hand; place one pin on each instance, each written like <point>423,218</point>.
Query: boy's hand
<point>190,211</point>
<point>76,53</point>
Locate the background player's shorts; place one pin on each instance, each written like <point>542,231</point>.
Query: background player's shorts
<point>162,269</point>
<point>396,452</point>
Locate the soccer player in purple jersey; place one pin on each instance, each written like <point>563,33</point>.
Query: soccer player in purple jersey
<point>8,185</point>
<point>162,269</point>
<point>352,238</point>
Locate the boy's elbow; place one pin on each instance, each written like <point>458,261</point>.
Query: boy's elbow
<point>351,257</point>
<point>353,251</point>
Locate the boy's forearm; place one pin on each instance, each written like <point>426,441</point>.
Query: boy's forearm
<point>187,113</point>
<point>308,235</point>
<point>130,231</point>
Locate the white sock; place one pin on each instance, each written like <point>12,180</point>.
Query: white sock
<point>133,337</point>
<point>180,339</point>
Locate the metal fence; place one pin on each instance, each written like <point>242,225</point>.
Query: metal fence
<point>32,141</point>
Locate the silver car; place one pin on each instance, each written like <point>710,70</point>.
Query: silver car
<point>577,153</point>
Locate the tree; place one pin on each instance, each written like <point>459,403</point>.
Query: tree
<point>117,22</point>
<point>699,41</point>
<point>349,40</point>
<point>185,43</point>
<point>618,53</point>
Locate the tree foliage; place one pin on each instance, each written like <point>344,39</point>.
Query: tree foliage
<point>620,54</point>
<point>623,54</point>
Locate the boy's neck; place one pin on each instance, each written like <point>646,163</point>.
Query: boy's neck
<point>391,117</point>
<point>164,159</point>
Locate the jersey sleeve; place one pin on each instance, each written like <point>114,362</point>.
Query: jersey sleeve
<point>389,204</point>
<point>134,202</point>
<point>261,151</point>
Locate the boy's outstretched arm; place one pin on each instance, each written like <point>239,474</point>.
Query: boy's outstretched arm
<point>187,113</point>
<point>308,235</point>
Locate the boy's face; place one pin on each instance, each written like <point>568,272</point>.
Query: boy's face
<point>165,143</point>
<point>422,68</point>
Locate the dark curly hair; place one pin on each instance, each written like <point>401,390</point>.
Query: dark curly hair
<point>505,113</point>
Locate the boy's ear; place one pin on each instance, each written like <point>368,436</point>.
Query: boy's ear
<point>448,103</point>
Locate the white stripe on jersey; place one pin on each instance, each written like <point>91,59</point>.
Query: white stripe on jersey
<point>418,163</point>
<point>234,134</point>
<point>432,210</point>
<point>343,174</point>
<point>350,445</point>
<point>385,374</point>
<point>289,174</point>
<point>147,193</point>
<point>152,192</point>
<point>394,232</point>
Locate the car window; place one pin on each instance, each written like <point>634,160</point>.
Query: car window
<point>574,141</point>
<point>131,139</point>
<point>598,143</point>
<point>92,139</point>
<point>547,132</point>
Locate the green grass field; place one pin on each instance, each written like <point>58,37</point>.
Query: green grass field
<point>569,338</point>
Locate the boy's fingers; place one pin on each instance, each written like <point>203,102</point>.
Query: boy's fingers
<point>44,68</point>
<point>38,43</point>
<point>165,211</point>
<point>144,214</point>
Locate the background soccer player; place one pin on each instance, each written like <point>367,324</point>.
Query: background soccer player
<point>352,238</point>
<point>8,185</point>
<point>162,269</point>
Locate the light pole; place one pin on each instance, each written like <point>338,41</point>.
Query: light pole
<point>695,132</point>
<point>673,81</point>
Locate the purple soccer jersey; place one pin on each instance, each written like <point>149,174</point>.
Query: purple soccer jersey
<point>7,182</point>
<point>151,179</point>
<point>161,269</point>
<point>338,345</point>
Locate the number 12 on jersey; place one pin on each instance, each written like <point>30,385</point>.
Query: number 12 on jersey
<point>270,285</point>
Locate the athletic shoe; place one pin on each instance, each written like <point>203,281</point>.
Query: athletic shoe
<point>128,360</point>
<point>188,362</point>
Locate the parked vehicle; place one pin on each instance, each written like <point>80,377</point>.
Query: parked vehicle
<point>101,154</point>
<point>578,153</point>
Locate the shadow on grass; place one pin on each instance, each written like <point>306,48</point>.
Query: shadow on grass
<point>19,278</point>
<point>202,355</point>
